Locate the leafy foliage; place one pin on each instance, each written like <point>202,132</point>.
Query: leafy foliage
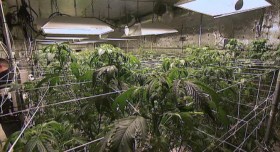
<point>156,108</point>
<point>126,135</point>
<point>46,137</point>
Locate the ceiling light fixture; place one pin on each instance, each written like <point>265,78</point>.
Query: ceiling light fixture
<point>76,26</point>
<point>117,35</point>
<point>49,42</point>
<point>220,8</point>
<point>88,42</point>
<point>65,38</point>
<point>149,29</point>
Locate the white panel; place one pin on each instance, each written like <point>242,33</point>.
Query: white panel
<point>65,38</point>
<point>119,39</point>
<point>222,7</point>
<point>156,29</point>
<point>88,42</point>
<point>46,40</point>
<point>150,29</point>
<point>76,26</point>
<point>115,36</point>
<point>47,43</point>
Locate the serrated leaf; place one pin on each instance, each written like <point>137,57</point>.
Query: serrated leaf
<point>122,136</point>
<point>122,98</point>
<point>75,69</point>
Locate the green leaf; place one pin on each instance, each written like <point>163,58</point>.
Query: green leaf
<point>41,147</point>
<point>46,79</point>
<point>54,80</point>
<point>86,76</point>
<point>121,99</point>
<point>222,115</point>
<point>122,136</point>
<point>31,144</point>
<point>168,116</point>
<point>75,69</point>
<point>187,119</point>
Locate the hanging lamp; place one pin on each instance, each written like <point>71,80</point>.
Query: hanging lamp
<point>144,29</point>
<point>220,8</point>
<point>150,28</point>
<point>76,26</point>
<point>117,35</point>
<point>88,42</point>
<point>65,38</point>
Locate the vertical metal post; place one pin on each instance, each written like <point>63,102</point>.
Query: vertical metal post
<point>75,7</point>
<point>92,8</point>
<point>109,7</point>
<point>182,41</point>
<point>200,30</point>
<point>126,46</point>
<point>6,32</point>
<point>273,111</point>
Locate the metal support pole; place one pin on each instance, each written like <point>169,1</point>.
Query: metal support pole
<point>75,7</point>
<point>200,31</point>
<point>6,33</point>
<point>273,111</point>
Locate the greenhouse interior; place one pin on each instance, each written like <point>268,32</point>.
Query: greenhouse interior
<point>140,76</point>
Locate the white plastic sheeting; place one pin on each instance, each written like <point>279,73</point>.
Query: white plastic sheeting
<point>218,8</point>
<point>76,26</point>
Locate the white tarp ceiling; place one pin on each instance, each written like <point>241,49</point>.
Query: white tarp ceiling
<point>76,26</point>
<point>218,8</point>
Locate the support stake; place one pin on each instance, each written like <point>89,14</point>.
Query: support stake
<point>273,111</point>
<point>6,33</point>
<point>200,31</point>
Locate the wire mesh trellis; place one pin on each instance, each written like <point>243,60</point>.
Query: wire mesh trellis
<point>248,114</point>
